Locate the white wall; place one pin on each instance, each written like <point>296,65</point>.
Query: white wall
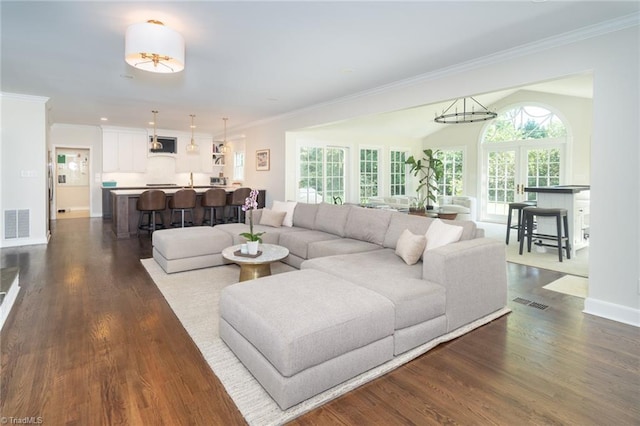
<point>615,179</point>
<point>24,164</point>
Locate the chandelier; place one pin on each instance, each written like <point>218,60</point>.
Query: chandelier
<point>192,148</point>
<point>154,141</point>
<point>466,116</point>
<point>150,46</point>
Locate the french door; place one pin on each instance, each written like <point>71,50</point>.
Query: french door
<point>510,167</point>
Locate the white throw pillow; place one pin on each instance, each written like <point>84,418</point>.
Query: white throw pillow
<point>410,246</point>
<point>440,234</point>
<point>288,207</point>
<point>272,218</point>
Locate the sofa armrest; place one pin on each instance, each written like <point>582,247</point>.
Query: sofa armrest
<point>474,274</point>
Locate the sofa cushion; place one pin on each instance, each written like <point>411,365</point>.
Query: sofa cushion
<point>288,207</point>
<point>440,234</point>
<point>272,218</point>
<point>298,242</point>
<point>322,317</point>
<point>332,218</point>
<point>410,246</point>
<point>415,299</point>
<point>304,215</point>
<point>339,246</point>
<point>367,224</point>
<point>271,235</point>
<point>401,221</point>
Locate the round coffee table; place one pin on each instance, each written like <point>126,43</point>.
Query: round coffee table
<point>255,267</point>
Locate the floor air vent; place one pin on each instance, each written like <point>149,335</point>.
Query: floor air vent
<point>530,303</point>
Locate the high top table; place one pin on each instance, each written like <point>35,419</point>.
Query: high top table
<point>574,198</point>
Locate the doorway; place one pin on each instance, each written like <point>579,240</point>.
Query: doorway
<point>71,180</point>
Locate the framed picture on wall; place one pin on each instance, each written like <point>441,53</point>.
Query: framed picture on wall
<point>263,162</point>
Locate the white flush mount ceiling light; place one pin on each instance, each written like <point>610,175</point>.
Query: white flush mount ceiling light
<point>192,148</point>
<point>154,141</point>
<point>467,115</point>
<point>151,46</point>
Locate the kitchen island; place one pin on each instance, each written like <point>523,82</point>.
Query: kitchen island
<point>574,198</point>
<point>124,214</point>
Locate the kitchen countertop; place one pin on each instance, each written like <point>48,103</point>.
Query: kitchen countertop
<point>169,189</point>
<point>559,189</point>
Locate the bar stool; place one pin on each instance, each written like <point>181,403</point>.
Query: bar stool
<point>183,201</point>
<point>527,231</point>
<point>237,201</point>
<point>519,207</point>
<point>213,199</point>
<point>149,203</point>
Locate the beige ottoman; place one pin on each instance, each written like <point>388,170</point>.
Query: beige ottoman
<point>183,249</point>
<point>301,333</point>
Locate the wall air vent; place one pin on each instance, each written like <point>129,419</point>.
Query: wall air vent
<point>16,223</point>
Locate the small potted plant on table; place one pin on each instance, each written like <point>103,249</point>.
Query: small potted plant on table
<point>253,238</point>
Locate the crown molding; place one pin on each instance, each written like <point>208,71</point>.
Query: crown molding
<point>570,37</point>
<point>18,96</point>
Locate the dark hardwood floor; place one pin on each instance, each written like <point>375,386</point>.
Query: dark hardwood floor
<point>91,341</point>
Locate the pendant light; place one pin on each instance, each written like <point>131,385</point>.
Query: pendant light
<point>223,148</point>
<point>192,148</point>
<point>155,145</point>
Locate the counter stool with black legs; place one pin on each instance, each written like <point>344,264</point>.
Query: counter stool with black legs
<point>183,201</point>
<point>151,204</point>
<point>561,219</point>
<point>237,201</point>
<point>212,200</point>
<point>519,207</point>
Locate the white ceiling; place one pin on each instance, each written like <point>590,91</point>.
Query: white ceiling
<point>253,60</point>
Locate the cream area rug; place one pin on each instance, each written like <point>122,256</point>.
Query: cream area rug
<point>539,257</point>
<point>194,297</point>
<point>570,284</point>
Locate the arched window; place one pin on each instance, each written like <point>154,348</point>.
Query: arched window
<point>523,147</point>
<point>523,123</point>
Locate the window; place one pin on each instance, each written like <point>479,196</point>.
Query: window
<point>238,166</point>
<point>368,174</point>
<point>451,182</point>
<point>322,174</point>
<point>523,123</point>
<point>398,173</point>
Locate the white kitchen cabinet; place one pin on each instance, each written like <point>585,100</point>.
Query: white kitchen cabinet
<point>124,151</point>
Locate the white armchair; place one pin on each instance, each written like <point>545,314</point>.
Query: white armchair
<point>463,205</point>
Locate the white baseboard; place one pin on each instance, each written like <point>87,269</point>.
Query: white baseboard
<point>9,300</point>
<point>15,242</point>
<point>623,314</point>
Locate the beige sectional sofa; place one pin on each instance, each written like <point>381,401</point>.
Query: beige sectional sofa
<point>354,303</point>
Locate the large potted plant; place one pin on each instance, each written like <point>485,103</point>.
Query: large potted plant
<point>428,170</point>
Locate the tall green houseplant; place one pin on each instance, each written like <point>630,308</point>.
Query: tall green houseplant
<point>428,170</point>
